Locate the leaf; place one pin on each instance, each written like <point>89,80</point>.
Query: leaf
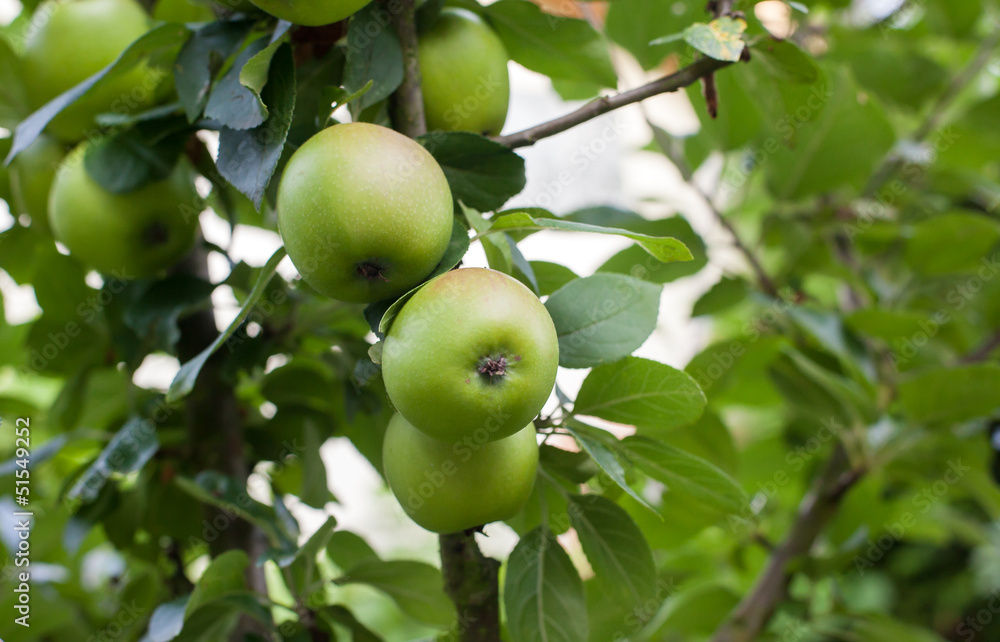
<point>543,594</point>
<point>156,40</point>
<point>952,242</point>
<point>373,55</point>
<point>307,552</point>
<point>482,174</point>
<point>596,443</point>
<point>416,587</point>
<point>154,314</point>
<point>636,262</point>
<point>785,61</point>
<point>637,24</point>
<point>128,451</point>
<point>602,318</point>
<point>726,293</point>
<point>128,159</point>
<point>457,247</point>
<point>551,276</point>
<point>347,549</point>
<point>684,473</point>
<point>233,104</point>
<point>223,576</point>
<point>256,71</point>
<point>185,378</point>
<point>247,158</point>
<point>345,618</point>
<point>721,39</point>
<point>641,392</point>
<point>203,52</point>
<point>839,136</point>
<point>951,395</point>
<point>564,48</point>
<point>615,548</point>
<point>167,620</point>
<point>664,249</point>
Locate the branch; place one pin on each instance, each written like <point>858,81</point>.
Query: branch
<point>600,106</point>
<point>893,162</point>
<point>666,143</point>
<point>471,581</point>
<point>409,101</point>
<point>816,510</point>
<point>984,350</point>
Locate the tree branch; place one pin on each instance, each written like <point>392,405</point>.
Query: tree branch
<point>600,106</point>
<point>471,581</point>
<point>408,99</point>
<point>984,350</point>
<point>817,508</point>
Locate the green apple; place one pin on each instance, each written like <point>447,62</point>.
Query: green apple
<point>472,354</point>
<point>448,487</point>
<point>463,67</point>
<point>311,13</point>
<point>71,40</point>
<point>365,212</point>
<point>31,176</point>
<point>130,235</point>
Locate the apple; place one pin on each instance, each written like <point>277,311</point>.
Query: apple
<point>473,354</point>
<point>135,234</point>
<point>447,487</point>
<point>68,42</point>
<point>365,212</point>
<point>463,67</point>
<point>311,13</point>
<point>31,176</point>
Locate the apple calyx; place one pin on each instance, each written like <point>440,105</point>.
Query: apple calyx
<point>371,271</point>
<point>156,233</point>
<point>493,367</point>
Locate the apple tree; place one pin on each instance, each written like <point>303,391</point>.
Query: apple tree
<point>823,468</point>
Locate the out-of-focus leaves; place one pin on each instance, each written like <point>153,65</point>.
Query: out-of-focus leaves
<point>949,395</point>
<point>416,587</point>
<point>481,173</point>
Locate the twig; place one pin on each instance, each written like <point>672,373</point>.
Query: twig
<point>984,350</point>
<point>893,161</point>
<point>471,581</point>
<point>408,99</point>
<point>666,143</point>
<point>816,510</point>
<point>599,106</point>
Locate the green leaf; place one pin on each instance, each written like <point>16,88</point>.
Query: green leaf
<point>128,159</point>
<point>723,295</point>
<point>684,473</point>
<point>167,620</point>
<point>664,249</point>
<point>951,243</point>
<point>615,548</point>
<point>785,61</point>
<point>154,41</point>
<point>372,55</point>
<point>416,587</point>
<point>551,276</point>
<point>482,174</point>
<point>347,549</point>
<point>185,378</point>
<point>838,135</point>
<point>598,444</point>
<point>232,103</point>
<point>951,395</point>
<point>247,158</point>
<point>153,314</point>
<point>602,318</point>
<point>635,24</point>
<point>696,612</point>
<point>543,593</point>
<point>127,452</point>
<point>564,48</point>
<point>721,39</point>
<point>254,74</point>
<point>223,576</point>
<point>641,392</point>
<point>343,617</point>
<point>214,42</point>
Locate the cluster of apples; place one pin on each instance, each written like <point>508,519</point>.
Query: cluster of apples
<point>366,214</point>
